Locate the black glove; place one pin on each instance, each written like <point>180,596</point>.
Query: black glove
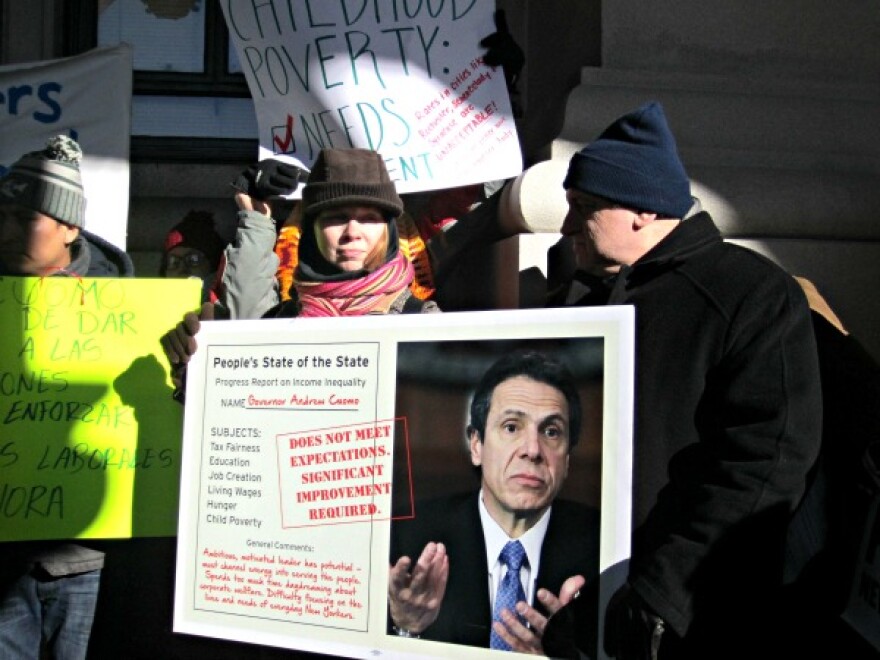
<point>632,631</point>
<point>180,344</point>
<point>503,51</point>
<point>268,178</point>
<point>571,632</point>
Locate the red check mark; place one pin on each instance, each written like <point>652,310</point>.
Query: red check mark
<point>283,143</point>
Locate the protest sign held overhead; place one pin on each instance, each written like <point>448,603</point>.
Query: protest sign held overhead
<point>405,79</point>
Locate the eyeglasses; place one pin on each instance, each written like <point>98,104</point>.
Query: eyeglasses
<point>188,261</point>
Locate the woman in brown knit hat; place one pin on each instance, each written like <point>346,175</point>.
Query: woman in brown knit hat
<point>349,261</point>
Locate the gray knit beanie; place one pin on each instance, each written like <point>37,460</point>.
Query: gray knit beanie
<point>349,177</point>
<point>48,181</point>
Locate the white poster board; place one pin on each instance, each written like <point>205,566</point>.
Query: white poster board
<point>404,79</point>
<point>294,427</point>
<point>87,97</point>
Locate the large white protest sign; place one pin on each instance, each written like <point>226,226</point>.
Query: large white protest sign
<point>87,97</point>
<point>403,78</point>
<point>309,443</point>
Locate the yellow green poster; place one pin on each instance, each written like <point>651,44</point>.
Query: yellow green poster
<point>89,433</point>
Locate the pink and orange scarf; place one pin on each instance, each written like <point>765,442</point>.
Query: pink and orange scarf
<point>372,294</point>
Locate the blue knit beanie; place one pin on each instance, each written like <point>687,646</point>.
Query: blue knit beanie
<point>635,163</point>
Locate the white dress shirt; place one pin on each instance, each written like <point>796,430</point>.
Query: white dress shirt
<point>496,538</point>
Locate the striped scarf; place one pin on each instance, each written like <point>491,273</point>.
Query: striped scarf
<point>372,294</point>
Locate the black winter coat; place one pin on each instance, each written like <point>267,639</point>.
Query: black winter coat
<point>727,425</point>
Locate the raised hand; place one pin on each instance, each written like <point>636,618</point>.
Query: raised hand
<point>503,51</point>
<point>415,593</point>
<point>269,178</point>
<point>528,638</point>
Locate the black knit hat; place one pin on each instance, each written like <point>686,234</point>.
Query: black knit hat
<point>48,182</point>
<point>634,162</point>
<point>343,177</point>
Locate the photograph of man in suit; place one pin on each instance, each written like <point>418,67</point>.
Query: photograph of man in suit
<point>488,568</point>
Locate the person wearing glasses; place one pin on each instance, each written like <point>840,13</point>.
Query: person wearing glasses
<point>194,248</point>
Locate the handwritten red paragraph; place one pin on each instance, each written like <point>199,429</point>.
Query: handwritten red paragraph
<point>336,475</point>
<point>451,119</point>
<point>272,584</point>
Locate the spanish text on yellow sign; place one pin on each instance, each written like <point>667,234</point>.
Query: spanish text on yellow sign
<point>89,433</point>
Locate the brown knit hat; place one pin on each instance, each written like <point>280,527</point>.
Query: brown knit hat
<point>48,181</point>
<point>342,177</point>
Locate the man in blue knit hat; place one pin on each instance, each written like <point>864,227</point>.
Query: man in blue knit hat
<point>728,405</point>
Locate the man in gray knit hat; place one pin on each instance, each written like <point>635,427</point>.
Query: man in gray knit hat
<point>49,589</point>
<point>42,218</point>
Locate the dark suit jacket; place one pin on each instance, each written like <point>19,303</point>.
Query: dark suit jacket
<point>571,547</point>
